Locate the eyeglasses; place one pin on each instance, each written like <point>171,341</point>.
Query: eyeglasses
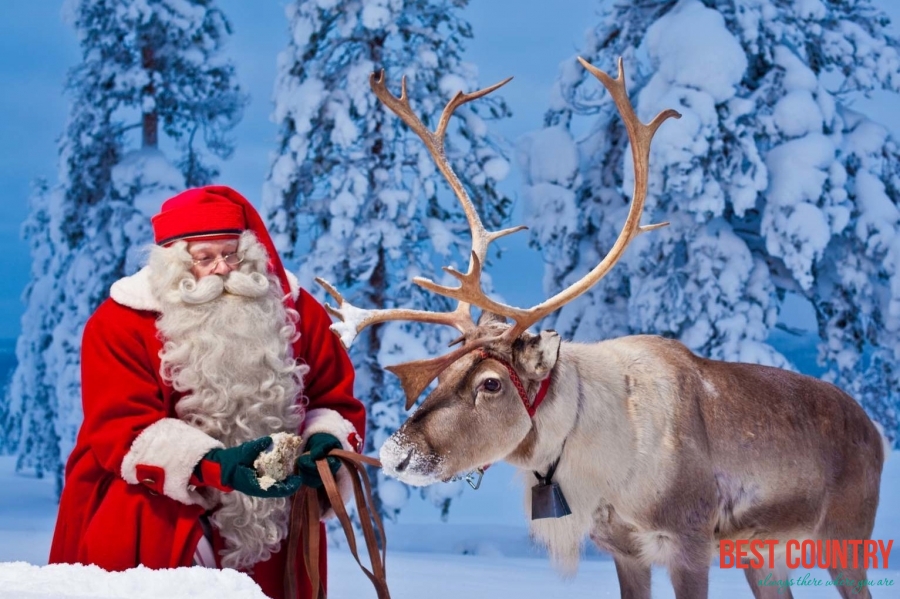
<point>231,259</point>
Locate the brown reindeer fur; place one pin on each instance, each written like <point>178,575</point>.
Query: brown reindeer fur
<point>662,453</point>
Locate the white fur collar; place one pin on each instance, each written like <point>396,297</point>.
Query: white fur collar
<point>134,291</point>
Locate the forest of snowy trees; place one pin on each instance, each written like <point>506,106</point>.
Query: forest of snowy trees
<point>775,187</point>
<point>772,184</point>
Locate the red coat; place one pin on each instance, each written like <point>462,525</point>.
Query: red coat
<point>127,498</point>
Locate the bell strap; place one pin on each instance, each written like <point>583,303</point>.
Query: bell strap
<point>305,511</point>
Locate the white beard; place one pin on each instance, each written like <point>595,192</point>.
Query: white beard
<point>226,346</point>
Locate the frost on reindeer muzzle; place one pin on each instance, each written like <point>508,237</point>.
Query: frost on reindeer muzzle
<point>402,459</point>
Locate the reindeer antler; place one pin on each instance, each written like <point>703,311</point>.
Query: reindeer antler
<point>434,142</point>
<point>640,135</point>
<point>416,376</point>
<point>353,319</point>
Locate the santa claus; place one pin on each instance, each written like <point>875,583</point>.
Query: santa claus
<point>187,369</point>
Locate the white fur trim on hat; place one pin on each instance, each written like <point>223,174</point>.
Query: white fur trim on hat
<point>134,291</point>
<point>176,447</point>
<point>323,420</point>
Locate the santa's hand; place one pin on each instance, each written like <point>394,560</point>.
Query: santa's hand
<point>234,468</point>
<point>317,448</point>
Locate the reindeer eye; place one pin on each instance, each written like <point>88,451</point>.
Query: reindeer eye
<point>491,385</point>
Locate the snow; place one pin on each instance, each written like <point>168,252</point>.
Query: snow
<point>879,216</point>
<point>375,14</point>
<point>300,102</point>
<point>451,84</point>
<point>149,177</point>
<point>692,48</point>
<point>392,493</point>
<point>810,9</point>
<point>26,581</point>
<point>796,229</point>
<point>548,155</point>
<point>797,114</point>
<point>89,228</point>
<point>345,131</point>
<point>797,76</point>
<point>400,344</point>
<point>440,235</point>
<point>497,168</point>
<point>351,318</point>
<point>482,551</point>
<point>548,159</point>
<point>553,205</point>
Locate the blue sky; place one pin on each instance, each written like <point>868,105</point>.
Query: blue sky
<point>524,38</point>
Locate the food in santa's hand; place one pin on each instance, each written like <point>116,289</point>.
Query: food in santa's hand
<point>277,462</point>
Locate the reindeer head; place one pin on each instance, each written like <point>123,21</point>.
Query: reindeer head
<point>480,410</point>
<point>482,406</point>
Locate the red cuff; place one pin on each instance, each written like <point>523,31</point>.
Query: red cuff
<point>209,474</point>
<point>152,477</point>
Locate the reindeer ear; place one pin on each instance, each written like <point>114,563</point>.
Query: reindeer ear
<point>491,318</point>
<point>536,355</point>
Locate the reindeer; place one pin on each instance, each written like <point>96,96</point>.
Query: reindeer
<point>652,452</point>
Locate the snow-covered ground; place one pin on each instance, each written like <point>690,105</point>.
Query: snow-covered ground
<point>482,551</point>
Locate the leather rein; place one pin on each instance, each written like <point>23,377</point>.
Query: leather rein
<point>306,510</point>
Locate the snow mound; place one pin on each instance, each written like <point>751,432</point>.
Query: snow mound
<point>64,581</point>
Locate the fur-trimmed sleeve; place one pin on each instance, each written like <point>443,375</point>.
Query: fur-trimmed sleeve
<point>126,426</point>
<point>163,458</point>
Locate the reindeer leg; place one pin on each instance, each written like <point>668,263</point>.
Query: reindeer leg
<point>634,578</point>
<point>755,575</point>
<point>690,583</point>
<point>851,515</point>
<point>847,579</point>
<point>846,588</point>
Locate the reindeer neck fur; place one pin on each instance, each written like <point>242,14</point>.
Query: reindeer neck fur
<point>606,435</point>
<point>591,400</point>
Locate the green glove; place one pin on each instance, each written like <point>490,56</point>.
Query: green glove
<point>317,448</point>
<point>235,470</point>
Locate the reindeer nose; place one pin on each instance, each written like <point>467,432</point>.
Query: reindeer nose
<point>402,465</point>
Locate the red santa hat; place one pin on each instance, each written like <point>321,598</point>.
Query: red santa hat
<point>214,212</point>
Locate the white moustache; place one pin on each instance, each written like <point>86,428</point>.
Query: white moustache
<point>206,289</point>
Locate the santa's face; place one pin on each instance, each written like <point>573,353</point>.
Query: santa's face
<point>217,257</point>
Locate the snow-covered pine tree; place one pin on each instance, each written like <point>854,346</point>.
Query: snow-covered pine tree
<point>147,65</point>
<point>354,197</point>
<point>773,185</point>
